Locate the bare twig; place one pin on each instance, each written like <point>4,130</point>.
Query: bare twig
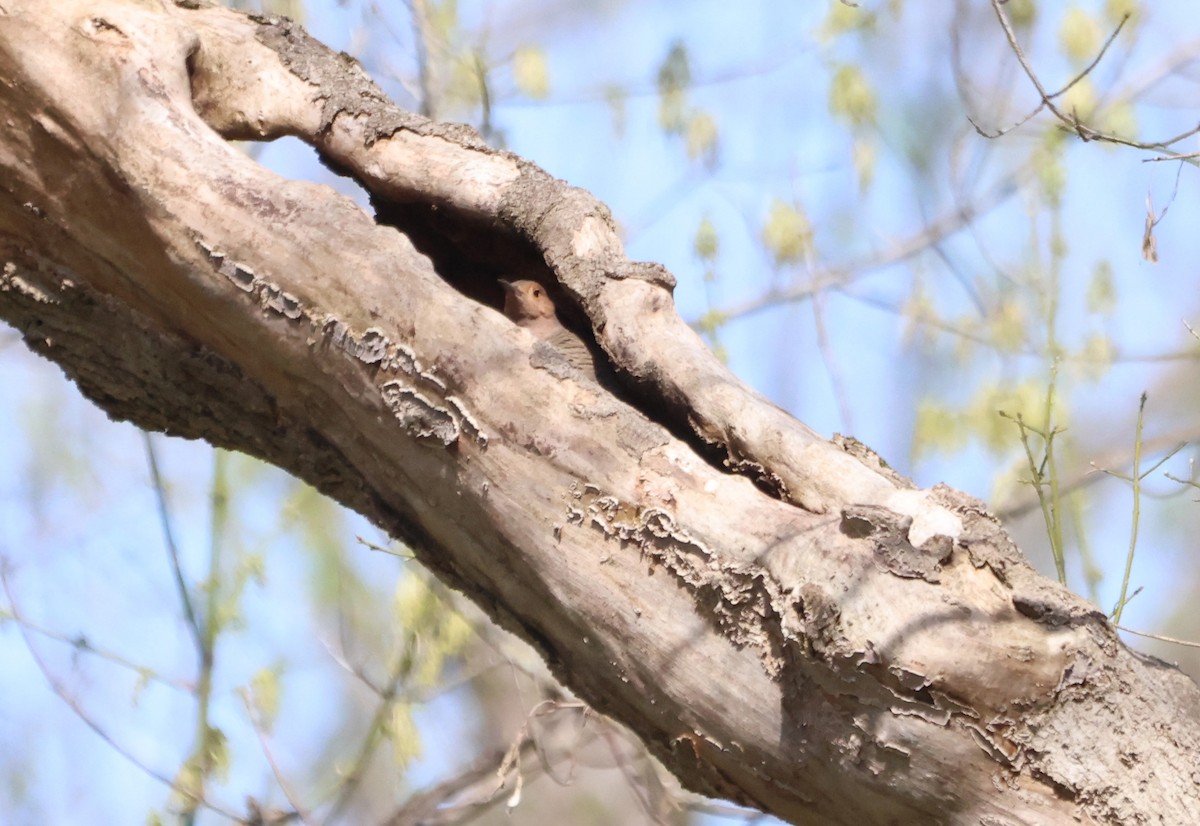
<point>1136,479</point>
<point>164,518</point>
<point>358,770</point>
<point>655,799</point>
<point>1046,101</point>
<point>429,57</point>
<point>820,279</point>
<point>1096,472</point>
<point>831,366</point>
<point>1095,62</point>
<point>1040,479</point>
<point>474,787</point>
<point>265,742</point>
<point>60,690</point>
<point>82,644</point>
<point>383,550</point>
<point>1185,156</point>
<point>1160,637</point>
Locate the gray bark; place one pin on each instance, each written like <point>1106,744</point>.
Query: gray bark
<point>810,635</point>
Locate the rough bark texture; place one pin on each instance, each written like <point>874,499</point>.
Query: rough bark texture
<point>816,638</point>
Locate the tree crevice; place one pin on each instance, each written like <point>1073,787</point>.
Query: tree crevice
<point>779,653</point>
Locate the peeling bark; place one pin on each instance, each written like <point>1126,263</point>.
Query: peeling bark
<point>814,637</point>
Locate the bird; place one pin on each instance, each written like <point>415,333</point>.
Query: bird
<point>528,305</point>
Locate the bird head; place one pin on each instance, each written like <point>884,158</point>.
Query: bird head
<point>526,301</point>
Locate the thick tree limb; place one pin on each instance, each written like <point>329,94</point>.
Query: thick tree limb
<point>863,652</point>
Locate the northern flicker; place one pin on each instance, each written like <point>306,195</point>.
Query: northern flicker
<point>528,305</point>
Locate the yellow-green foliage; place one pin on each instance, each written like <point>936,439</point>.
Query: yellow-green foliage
<point>851,98</point>
<point>1021,13</point>
<point>531,73</point>
<point>711,321</point>
<point>1116,10</point>
<point>677,116</point>
<point>1047,163</point>
<point>1119,119</point>
<point>1102,290</point>
<point>1007,325</point>
<point>433,630</point>
<point>842,19</point>
<point>937,429</point>
<point>674,76</point>
<point>401,731</point>
<point>702,137</point>
<point>615,97</point>
<point>706,245</point>
<point>1080,100</point>
<point>940,428</point>
<point>1095,357</point>
<point>264,692</point>
<point>211,759</point>
<point>787,234</point>
<point>1080,36</point>
<point>865,155</point>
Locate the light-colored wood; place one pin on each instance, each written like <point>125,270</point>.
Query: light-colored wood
<point>852,651</point>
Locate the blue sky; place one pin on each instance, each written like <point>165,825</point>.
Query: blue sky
<point>77,519</point>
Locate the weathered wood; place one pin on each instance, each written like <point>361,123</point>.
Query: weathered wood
<point>853,650</point>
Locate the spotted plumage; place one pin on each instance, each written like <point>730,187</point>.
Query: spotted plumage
<point>528,305</point>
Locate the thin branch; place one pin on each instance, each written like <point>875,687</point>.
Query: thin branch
<point>475,785</point>
<point>372,546</point>
<point>1160,637</point>
<point>202,757</point>
<point>1015,45</point>
<point>408,695</point>
<point>359,766</point>
<point>1097,471</point>
<point>972,335</point>
<point>61,691</point>
<point>264,741</point>
<point>832,368</point>
<point>992,134</point>
<point>1050,506</point>
<point>1149,243</point>
<point>486,127</point>
<point>1095,62</point>
<point>82,644</point>
<point>164,518</point>
<point>651,90</point>
<point>1137,506</point>
<point>1069,121</point>
<point>428,64</point>
<point>1186,156</point>
<point>832,277</point>
<point>648,789</point>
